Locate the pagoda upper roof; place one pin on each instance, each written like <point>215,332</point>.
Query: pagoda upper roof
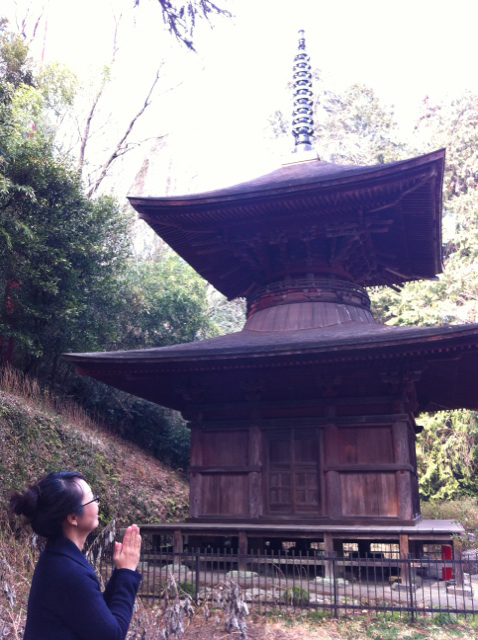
<point>384,222</point>
<point>448,356</point>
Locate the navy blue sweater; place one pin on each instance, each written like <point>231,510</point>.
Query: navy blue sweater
<point>66,603</point>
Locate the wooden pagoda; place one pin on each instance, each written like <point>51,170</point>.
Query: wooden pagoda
<point>303,423</point>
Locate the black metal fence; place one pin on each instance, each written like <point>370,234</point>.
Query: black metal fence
<point>380,581</point>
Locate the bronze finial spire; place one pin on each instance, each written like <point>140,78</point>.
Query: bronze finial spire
<point>302,122</point>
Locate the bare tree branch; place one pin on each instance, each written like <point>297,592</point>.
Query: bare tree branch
<point>119,149</point>
<point>35,28</point>
<point>85,136</point>
<point>23,24</point>
<point>133,145</point>
<point>87,130</point>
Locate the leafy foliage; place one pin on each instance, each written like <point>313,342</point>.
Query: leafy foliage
<point>295,596</point>
<point>463,510</point>
<point>351,127</point>
<point>447,448</point>
<point>453,124</point>
<point>15,66</point>
<point>158,430</point>
<point>68,278</point>
<point>181,17</point>
<point>168,304</point>
<point>163,302</point>
<point>447,455</point>
<point>64,252</point>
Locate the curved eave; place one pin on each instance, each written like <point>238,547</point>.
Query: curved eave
<point>293,178</point>
<point>447,357</point>
<point>352,342</point>
<point>204,229</point>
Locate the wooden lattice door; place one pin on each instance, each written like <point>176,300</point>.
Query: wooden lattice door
<point>293,472</point>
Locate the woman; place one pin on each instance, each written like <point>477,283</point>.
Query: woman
<point>65,601</point>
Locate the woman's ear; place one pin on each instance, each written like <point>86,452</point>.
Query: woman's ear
<point>71,519</point>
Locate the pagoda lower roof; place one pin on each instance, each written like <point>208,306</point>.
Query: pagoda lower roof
<point>350,338</point>
<point>393,211</point>
<point>448,356</point>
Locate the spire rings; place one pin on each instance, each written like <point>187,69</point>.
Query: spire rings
<point>302,114</point>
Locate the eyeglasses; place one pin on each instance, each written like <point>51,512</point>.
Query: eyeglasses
<point>95,499</point>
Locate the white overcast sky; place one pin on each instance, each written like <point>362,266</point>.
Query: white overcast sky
<point>403,50</point>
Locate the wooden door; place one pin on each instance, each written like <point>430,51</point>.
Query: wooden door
<point>293,472</point>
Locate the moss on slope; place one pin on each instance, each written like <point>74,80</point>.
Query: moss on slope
<point>134,487</point>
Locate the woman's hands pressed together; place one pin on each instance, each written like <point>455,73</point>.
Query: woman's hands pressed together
<point>126,553</point>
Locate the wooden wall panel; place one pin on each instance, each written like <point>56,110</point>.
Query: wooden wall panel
<point>280,491</point>
<point>225,495</point>
<point>365,445</point>
<point>279,480</point>
<point>369,494</point>
<point>225,448</point>
<point>196,447</point>
<point>195,495</point>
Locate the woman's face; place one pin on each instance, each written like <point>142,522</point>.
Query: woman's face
<point>88,520</point>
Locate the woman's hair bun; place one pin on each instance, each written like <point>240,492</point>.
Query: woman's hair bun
<point>25,503</point>
<point>47,503</point>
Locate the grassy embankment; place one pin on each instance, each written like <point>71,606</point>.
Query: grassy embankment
<point>37,437</point>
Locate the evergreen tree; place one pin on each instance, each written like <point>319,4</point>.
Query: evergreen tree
<point>68,277</point>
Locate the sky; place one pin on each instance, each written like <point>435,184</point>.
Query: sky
<point>214,105</point>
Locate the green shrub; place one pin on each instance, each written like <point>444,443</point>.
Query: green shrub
<point>317,617</point>
<point>189,588</point>
<point>442,619</point>
<point>295,596</point>
<point>463,510</point>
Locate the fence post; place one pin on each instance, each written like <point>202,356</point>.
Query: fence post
<point>328,552</point>
<point>242,551</point>
<point>334,575</point>
<point>178,545</point>
<point>197,576</point>
<point>404,555</point>
<point>412,585</point>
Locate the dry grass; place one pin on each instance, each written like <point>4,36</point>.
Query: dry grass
<point>18,556</point>
<point>34,398</point>
<point>40,433</point>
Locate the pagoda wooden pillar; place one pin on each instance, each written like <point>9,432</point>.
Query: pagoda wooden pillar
<point>195,479</point>
<point>403,477</point>
<point>332,477</point>
<point>256,507</point>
